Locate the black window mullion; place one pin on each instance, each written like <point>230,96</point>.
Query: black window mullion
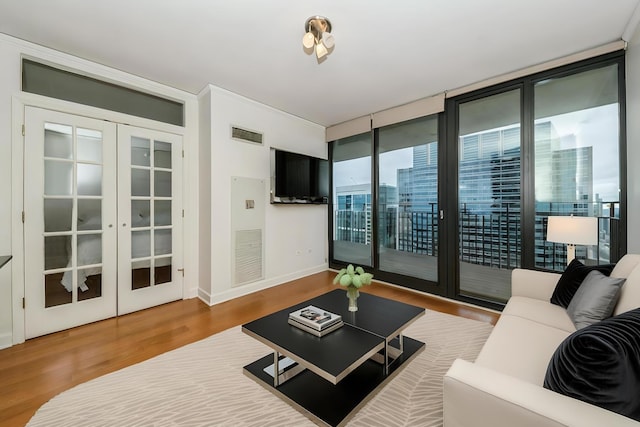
<point>527,184</point>
<point>622,102</point>
<point>448,193</point>
<point>375,182</point>
<point>330,207</point>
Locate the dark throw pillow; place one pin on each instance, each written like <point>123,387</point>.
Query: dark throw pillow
<point>600,365</point>
<point>595,299</point>
<point>571,279</point>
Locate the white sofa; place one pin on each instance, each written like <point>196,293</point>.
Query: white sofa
<point>503,387</point>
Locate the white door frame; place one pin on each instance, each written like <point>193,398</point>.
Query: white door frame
<point>19,102</point>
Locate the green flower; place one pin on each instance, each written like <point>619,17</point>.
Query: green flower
<point>353,277</point>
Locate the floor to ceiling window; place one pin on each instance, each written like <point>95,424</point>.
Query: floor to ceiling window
<point>456,209</point>
<point>489,237</point>
<point>351,192</point>
<point>408,198</point>
<point>577,160</point>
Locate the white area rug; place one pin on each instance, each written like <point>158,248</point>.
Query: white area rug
<point>202,384</point>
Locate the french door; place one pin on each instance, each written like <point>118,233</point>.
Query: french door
<point>149,218</point>
<point>101,211</point>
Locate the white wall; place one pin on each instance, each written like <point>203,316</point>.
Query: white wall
<point>9,83</point>
<point>9,78</point>
<point>633,143</point>
<point>11,52</point>
<point>204,195</point>
<point>295,236</point>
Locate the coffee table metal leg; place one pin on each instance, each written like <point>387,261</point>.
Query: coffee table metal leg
<point>386,358</point>
<point>392,352</point>
<point>283,369</point>
<point>276,369</point>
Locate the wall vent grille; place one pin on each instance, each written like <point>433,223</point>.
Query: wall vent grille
<point>246,135</point>
<point>248,256</point>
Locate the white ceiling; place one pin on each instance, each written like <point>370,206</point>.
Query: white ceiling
<point>387,53</point>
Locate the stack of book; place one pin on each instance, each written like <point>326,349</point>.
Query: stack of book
<point>315,320</point>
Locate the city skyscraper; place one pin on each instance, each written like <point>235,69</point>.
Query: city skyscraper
<point>489,192</point>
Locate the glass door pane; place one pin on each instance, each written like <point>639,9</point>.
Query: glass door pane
<point>408,198</point>
<point>151,235</point>
<point>577,161</point>
<point>352,200</point>
<point>73,182</point>
<point>149,208</point>
<point>69,231</point>
<point>489,195</point>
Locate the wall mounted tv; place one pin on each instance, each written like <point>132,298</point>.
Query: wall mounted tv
<point>298,178</point>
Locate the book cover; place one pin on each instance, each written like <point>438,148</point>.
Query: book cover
<point>313,331</point>
<point>315,317</point>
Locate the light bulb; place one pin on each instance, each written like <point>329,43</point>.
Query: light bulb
<point>308,40</point>
<point>321,50</point>
<point>328,40</point>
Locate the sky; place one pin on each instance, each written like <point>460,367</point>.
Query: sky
<point>598,128</point>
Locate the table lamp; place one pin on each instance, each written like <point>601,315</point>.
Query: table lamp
<point>572,230</point>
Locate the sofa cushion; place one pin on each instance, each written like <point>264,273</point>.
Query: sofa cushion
<point>521,348</point>
<point>539,311</point>
<point>600,365</point>
<point>626,265</point>
<point>571,279</point>
<point>595,299</point>
<point>630,293</point>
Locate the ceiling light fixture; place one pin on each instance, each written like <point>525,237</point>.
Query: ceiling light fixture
<point>318,37</point>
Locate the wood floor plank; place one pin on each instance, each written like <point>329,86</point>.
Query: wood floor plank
<point>34,372</point>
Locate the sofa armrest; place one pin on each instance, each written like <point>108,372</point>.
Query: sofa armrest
<point>478,396</point>
<point>533,284</point>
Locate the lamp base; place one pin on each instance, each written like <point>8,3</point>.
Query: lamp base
<point>571,253</point>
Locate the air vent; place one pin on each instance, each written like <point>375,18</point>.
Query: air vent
<point>248,262</point>
<point>246,135</point>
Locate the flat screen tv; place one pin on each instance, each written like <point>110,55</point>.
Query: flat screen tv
<point>298,178</point>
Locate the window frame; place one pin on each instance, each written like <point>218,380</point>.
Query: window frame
<point>448,263</point>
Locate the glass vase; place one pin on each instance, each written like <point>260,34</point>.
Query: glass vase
<point>353,294</point>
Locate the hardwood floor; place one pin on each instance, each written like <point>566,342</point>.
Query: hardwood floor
<point>34,372</point>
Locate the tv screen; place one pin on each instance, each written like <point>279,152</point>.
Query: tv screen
<point>299,178</point>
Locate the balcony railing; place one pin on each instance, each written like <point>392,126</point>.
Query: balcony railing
<point>553,256</point>
<point>417,231</point>
<point>489,233</point>
<point>353,226</point>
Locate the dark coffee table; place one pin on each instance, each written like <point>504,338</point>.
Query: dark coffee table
<point>333,376</point>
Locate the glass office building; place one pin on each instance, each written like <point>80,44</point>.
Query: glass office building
<point>490,194</point>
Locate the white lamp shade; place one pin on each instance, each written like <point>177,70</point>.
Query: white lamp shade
<point>573,230</point>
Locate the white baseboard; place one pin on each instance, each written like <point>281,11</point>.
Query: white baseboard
<point>204,296</point>
<point>250,288</point>
<point>6,340</point>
